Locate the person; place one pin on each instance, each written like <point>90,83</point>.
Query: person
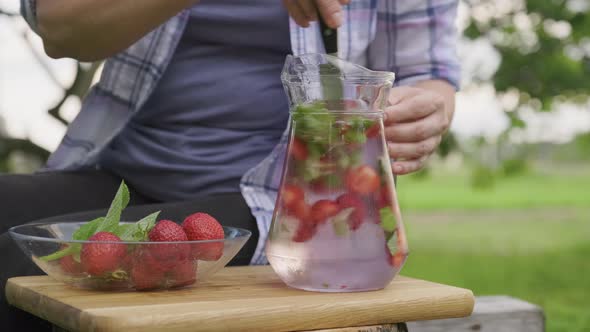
<point>190,111</point>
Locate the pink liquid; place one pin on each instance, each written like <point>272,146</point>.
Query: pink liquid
<point>335,259</point>
<point>331,263</point>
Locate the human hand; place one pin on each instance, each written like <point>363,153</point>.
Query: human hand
<point>305,11</point>
<point>415,121</point>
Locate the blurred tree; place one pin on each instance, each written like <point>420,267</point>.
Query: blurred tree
<point>10,146</point>
<point>544,48</point>
<point>582,143</point>
<point>25,148</point>
<point>544,51</point>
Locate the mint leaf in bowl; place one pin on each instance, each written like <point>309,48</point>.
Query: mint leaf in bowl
<point>139,230</point>
<point>110,223</point>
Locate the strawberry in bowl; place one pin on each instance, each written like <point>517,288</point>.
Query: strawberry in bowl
<point>203,227</point>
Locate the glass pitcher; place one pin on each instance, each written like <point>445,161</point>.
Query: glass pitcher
<point>336,226</point>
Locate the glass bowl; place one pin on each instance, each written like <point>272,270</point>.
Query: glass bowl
<point>126,265</point>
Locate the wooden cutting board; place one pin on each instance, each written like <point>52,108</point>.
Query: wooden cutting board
<point>236,299</point>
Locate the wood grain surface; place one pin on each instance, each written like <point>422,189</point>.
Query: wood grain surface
<point>236,299</point>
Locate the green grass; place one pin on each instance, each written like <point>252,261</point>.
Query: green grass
<point>557,281</point>
<point>528,238</point>
<point>452,191</point>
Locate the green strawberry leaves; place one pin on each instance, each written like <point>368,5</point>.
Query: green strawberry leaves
<point>110,223</point>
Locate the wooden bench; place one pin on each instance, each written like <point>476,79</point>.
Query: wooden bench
<point>491,313</point>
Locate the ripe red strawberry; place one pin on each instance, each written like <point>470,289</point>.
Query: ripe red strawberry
<point>357,216</point>
<point>301,211</point>
<point>144,277</point>
<point>99,258</point>
<point>168,255</point>
<point>318,186</point>
<point>323,209</point>
<point>298,149</point>
<point>396,260</point>
<point>183,274</point>
<point>291,195</point>
<point>383,197</point>
<point>201,226</point>
<point>167,231</point>
<point>373,130</point>
<point>305,231</point>
<point>145,255</point>
<point>70,266</point>
<point>128,260</point>
<point>362,180</point>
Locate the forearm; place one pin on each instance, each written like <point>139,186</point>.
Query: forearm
<point>90,30</point>
<point>444,89</point>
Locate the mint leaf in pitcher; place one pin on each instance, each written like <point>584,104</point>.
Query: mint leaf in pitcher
<point>313,123</point>
<point>340,222</point>
<point>392,243</point>
<point>387,219</point>
<point>357,130</point>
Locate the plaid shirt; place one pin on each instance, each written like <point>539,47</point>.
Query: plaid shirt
<point>416,39</point>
